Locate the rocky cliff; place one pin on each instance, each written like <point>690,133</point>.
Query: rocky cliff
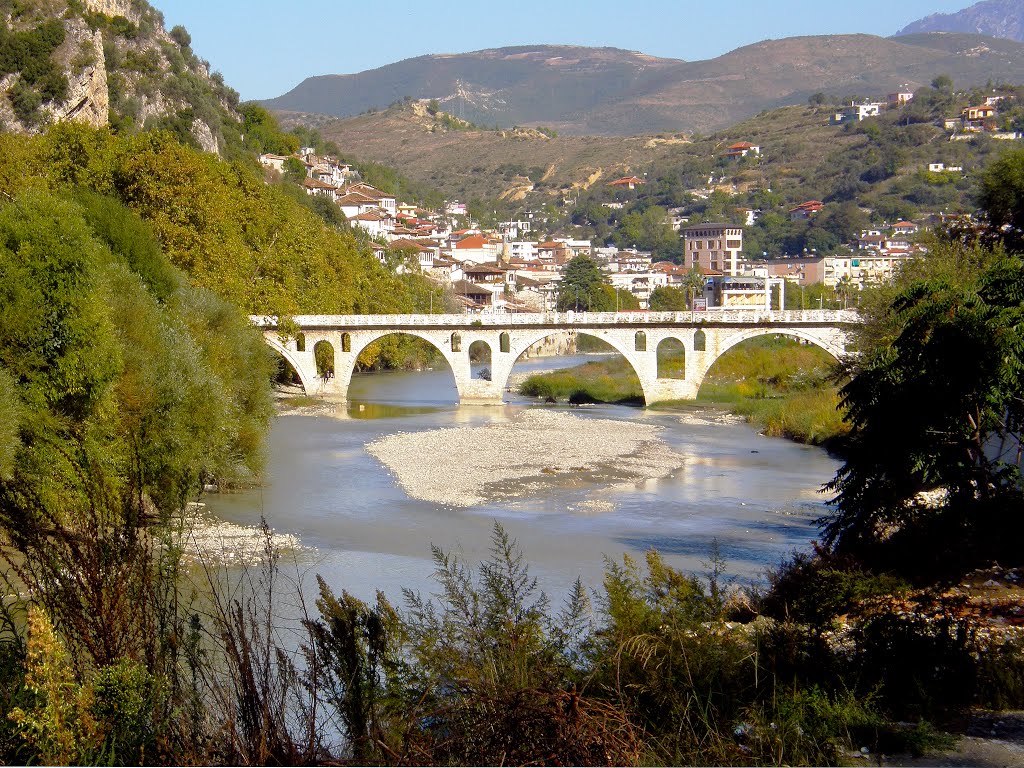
<point>105,62</point>
<point>995,18</point>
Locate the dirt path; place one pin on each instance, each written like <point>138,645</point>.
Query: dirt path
<point>992,740</point>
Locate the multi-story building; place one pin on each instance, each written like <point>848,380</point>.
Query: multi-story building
<point>713,248</point>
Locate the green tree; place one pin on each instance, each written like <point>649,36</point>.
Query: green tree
<point>667,299</point>
<point>1001,198</point>
<point>582,287</point>
<point>934,405</point>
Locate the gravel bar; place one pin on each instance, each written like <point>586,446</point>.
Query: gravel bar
<point>469,466</point>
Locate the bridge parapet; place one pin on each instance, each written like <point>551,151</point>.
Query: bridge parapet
<point>700,338</point>
<point>572,319</point>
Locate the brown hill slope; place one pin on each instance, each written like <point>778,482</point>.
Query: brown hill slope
<point>484,163</point>
<point>611,92</point>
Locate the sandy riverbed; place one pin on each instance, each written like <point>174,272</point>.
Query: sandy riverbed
<point>467,466</point>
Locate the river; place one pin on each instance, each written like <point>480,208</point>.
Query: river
<point>756,496</point>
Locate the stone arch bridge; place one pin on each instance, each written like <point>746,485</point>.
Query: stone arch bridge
<point>704,336</point>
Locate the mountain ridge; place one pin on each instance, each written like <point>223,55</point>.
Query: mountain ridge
<point>612,92</point>
<point>995,18</point>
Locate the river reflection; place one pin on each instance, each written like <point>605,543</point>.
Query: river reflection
<point>756,496</point>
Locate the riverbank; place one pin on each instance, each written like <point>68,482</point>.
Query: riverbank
<point>783,387</point>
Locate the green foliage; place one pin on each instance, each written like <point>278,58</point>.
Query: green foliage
<point>781,385</point>
<point>358,647</point>
<point>816,589</point>
<point>1001,197</point>
<point>582,287</point>
<point>948,375</point>
<point>181,36</point>
<point>28,54</point>
<point>493,671</point>
<point>124,699</point>
<point>612,381</point>
<point>262,133</point>
<point>668,299</point>
<point>898,655</point>
<point>650,230</point>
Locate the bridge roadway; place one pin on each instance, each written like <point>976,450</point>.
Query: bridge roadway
<point>705,336</point>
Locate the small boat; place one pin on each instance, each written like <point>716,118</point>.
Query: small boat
<point>485,373</point>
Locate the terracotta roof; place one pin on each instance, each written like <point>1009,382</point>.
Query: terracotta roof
<point>406,244</point>
<point>355,198</point>
<point>317,184</point>
<point>464,287</point>
<point>810,205</point>
<point>483,269</point>
<point>742,145</point>
<point>473,241</point>
<point>626,180</point>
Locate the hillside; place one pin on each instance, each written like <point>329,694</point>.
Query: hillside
<point>103,62</point>
<point>996,18</point>
<point>800,153</point>
<point>513,164</point>
<point>611,92</point>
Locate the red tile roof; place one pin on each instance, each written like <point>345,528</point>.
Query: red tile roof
<point>626,180</point>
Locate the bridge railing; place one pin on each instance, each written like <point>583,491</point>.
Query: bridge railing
<point>582,319</point>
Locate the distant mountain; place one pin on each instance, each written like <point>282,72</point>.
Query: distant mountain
<point>995,18</point>
<point>611,92</point>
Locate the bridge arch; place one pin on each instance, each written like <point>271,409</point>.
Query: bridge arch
<point>363,340</point>
<point>833,347</point>
<point>309,383</point>
<point>523,341</point>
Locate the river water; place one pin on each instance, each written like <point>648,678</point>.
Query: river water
<point>757,497</point>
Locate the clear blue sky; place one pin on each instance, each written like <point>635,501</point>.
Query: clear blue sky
<point>266,48</point>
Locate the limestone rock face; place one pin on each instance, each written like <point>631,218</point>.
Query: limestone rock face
<point>207,141</point>
<point>88,98</point>
<point>135,74</point>
<point>113,8</point>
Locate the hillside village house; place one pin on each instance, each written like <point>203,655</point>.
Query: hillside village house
<point>627,182</point>
<point>640,285</point>
<point>713,247</point>
<point>741,149</point>
<point>477,249</point>
<point>899,98</point>
<point>274,162</point>
<point>976,118</point>
<point>802,270</point>
<point>805,210</point>
<point>375,223</point>
<point>856,112</point>
<point>863,269</point>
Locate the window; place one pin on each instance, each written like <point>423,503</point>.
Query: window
<point>699,341</point>
<point>671,359</point>
<point>456,342</point>
<point>346,342</point>
<point>300,343</point>
<point>641,341</point>
<point>504,343</point>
